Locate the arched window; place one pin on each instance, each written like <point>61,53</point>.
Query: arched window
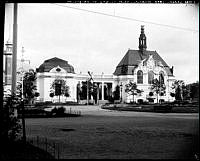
<point>140,77</point>
<point>161,77</point>
<point>150,77</point>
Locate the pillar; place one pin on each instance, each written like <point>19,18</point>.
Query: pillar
<point>102,91</point>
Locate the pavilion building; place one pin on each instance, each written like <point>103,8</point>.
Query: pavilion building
<point>139,66</point>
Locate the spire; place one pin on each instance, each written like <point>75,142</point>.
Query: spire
<point>142,40</point>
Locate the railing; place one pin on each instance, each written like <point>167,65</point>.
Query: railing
<point>75,112</point>
<point>45,144</point>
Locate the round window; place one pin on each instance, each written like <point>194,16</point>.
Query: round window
<point>58,69</point>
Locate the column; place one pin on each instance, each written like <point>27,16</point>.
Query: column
<point>102,91</point>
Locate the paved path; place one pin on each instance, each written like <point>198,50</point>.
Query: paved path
<point>97,110</point>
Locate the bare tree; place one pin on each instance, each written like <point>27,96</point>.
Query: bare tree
<point>158,87</point>
<point>131,88</point>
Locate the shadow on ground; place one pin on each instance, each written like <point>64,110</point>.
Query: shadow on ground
<point>19,150</point>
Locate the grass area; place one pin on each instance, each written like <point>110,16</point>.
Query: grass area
<point>19,150</point>
<point>121,137</point>
<point>150,108</point>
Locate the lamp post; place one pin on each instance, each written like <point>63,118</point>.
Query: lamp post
<point>88,80</point>
<point>22,102</point>
<point>22,106</point>
<point>87,91</point>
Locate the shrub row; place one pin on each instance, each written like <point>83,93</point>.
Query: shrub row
<point>36,112</point>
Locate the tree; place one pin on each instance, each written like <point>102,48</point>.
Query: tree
<point>29,87</point>
<point>95,91</point>
<point>116,93</point>
<point>9,124</point>
<point>131,88</point>
<point>78,89</point>
<point>181,91</point>
<point>193,90</point>
<point>59,88</point>
<point>51,95</point>
<point>158,87</point>
<point>83,91</point>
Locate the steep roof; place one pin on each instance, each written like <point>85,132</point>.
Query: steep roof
<point>133,57</point>
<point>54,62</point>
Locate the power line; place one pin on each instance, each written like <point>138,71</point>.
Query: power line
<point>128,18</point>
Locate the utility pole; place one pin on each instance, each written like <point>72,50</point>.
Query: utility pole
<point>14,57</point>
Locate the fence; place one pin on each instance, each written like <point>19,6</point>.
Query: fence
<point>73,112</point>
<point>45,144</point>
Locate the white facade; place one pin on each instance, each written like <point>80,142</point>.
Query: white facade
<point>139,66</point>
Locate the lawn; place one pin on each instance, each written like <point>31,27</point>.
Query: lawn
<point>120,137</point>
<point>150,108</point>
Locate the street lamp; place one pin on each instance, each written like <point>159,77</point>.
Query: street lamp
<point>88,80</point>
<point>22,102</point>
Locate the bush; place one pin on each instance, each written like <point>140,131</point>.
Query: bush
<point>51,94</point>
<point>111,99</point>
<point>140,101</point>
<point>161,100</point>
<point>37,94</point>
<point>9,124</point>
<point>145,103</point>
<point>58,111</point>
<point>150,93</point>
<point>43,103</point>
<point>172,94</point>
<point>162,108</point>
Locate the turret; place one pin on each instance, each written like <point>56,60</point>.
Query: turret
<point>142,40</point>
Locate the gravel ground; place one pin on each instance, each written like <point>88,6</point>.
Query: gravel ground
<point>102,134</point>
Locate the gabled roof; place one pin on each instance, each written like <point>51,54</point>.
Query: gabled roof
<point>133,58</point>
<point>54,62</point>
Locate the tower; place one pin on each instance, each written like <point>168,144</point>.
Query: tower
<point>8,63</point>
<point>142,40</point>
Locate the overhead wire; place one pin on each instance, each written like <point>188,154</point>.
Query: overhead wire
<point>127,18</point>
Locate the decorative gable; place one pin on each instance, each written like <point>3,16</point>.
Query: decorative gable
<point>151,62</point>
<point>58,70</point>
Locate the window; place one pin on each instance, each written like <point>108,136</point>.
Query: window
<point>124,69</point>
<point>150,77</point>
<point>161,77</point>
<point>139,77</point>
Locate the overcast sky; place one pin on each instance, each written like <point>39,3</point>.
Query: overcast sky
<point>97,43</point>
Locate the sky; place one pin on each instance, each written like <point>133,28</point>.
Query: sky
<point>97,43</point>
